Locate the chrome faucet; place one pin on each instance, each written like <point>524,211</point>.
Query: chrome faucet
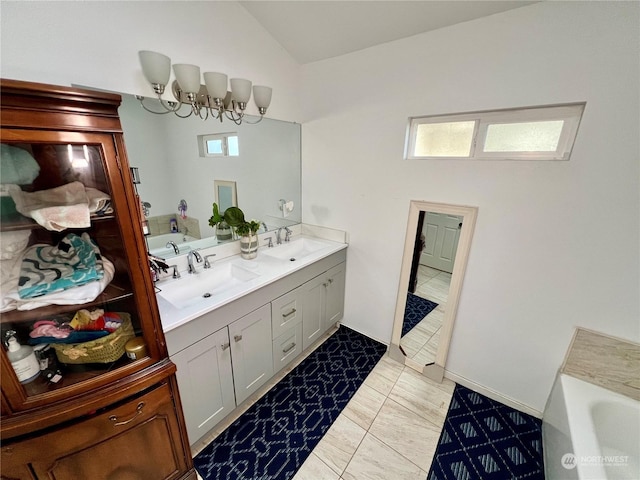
<point>176,250</point>
<point>198,257</point>
<point>287,236</point>
<point>207,264</point>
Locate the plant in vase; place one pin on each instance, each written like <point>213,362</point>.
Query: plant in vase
<point>233,218</point>
<point>223,223</point>
<point>248,232</point>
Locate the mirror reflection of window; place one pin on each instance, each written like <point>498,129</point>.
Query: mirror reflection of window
<point>219,145</point>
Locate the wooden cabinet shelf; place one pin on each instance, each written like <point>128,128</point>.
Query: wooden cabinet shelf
<point>111,294</point>
<point>12,223</point>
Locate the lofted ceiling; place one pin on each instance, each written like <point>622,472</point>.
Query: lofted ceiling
<point>312,30</point>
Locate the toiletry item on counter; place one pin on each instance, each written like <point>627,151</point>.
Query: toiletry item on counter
<point>22,359</point>
<point>136,348</point>
<point>173,225</point>
<point>48,362</point>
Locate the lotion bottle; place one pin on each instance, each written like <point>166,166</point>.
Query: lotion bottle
<point>22,359</point>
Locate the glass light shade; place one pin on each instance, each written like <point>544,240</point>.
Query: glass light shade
<point>216,84</point>
<point>240,89</point>
<point>155,66</point>
<point>262,96</point>
<point>188,77</point>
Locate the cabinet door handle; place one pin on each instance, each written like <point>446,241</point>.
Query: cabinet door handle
<point>330,281</point>
<point>285,315</point>
<point>289,348</point>
<point>237,338</point>
<point>116,423</point>
<point>224,346</point>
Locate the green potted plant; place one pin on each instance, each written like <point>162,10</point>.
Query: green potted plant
<point>233,217</point>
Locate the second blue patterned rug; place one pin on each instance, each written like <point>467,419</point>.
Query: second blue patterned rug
<point>273,438</point>
<point>414,312</point>
<point>486,440</point>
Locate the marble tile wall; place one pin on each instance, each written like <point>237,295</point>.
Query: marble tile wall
<point>609,362</point>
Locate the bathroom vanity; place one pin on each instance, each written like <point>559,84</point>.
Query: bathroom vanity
<point>240,326</point>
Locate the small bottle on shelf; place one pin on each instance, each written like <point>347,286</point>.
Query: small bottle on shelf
<point>22,359</point>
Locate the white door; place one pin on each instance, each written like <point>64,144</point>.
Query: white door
<point>205,382</point>
<point>442,233</point>
<point>251,351</point>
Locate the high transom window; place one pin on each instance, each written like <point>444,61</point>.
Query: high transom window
<point>531,133</point>
<point>219,145</point>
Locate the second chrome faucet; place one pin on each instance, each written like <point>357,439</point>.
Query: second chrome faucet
<point>190,257</point>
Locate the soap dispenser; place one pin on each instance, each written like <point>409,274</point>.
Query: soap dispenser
<point>22,359</point>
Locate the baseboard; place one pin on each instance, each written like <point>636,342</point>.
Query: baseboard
<point>492,394</point>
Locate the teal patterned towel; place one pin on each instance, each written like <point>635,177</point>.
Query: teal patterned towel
<point>73,262</point>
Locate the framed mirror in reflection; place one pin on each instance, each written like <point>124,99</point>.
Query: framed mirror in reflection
<point>166,151</point>
<point>435,256</point>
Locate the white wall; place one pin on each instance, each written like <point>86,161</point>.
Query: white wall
<point>96,44</point>
<point>556,243</point>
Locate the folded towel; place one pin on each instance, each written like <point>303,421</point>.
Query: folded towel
<point>17,165</point>
<point>98,200</point>
<point>55,209</point>
<point>72,296</point>
<point>12,244</point>
<point>9,276</point>
<point>46,269</point>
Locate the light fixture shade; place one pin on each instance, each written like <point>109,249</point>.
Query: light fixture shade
<point>188,77</point>
<point>240,89</point>
<point>216,84</point>
<point>155,66</point>
<point>262,96</point>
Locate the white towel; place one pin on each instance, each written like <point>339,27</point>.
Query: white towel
<point>55,209</point>
<point>10,300</point>
<point>97,200</point>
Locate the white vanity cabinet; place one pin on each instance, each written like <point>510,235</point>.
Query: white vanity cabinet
<point>227,354</point>
<point>251,352</point>
<point>223,369</point>
<point>323,300</point>
<point>205,381</point>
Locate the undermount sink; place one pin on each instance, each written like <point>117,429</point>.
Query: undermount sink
<point>196,287</point>
<point>294,250</point>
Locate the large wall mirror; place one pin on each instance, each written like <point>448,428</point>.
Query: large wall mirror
<point>179,182</point>
<point>435,256</point>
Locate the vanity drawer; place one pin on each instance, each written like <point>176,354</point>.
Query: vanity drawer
<point>287,347</point>
<point>286,311</point>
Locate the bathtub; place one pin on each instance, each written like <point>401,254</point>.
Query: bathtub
<point>158,244</point>
<point>590,433</point>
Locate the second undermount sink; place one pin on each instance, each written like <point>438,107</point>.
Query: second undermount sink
<point>294,250</point>
<point>196,287</point>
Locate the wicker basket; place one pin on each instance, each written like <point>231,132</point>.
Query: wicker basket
<point>106,349</point>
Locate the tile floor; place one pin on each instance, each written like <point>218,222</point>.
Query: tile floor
<point>389,429</point>
<point>421,343</point>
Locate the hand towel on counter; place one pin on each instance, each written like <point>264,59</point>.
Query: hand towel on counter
<point>47,269</point>
<point>17,165</point>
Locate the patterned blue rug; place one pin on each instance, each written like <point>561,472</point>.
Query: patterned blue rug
<point>417,308</point>
<point>485,440</point>
<point>272,439</point>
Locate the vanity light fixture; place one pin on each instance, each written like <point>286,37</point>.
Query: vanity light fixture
<point>209,100</point>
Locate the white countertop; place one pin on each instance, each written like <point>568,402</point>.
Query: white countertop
<point>267,268</point>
